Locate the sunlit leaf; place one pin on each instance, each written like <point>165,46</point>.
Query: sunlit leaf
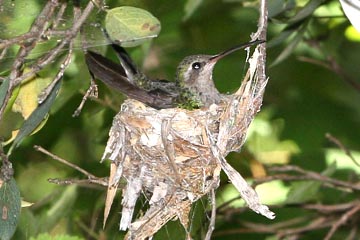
<point>23,102</point>
<point>10,205</point>
<point>26,204</point>
<point>27,99</point>
<point>352,34</point>
<point>37,116</point>
<point>130,26</point>
<point>11,120</point>
<point>265,143</point>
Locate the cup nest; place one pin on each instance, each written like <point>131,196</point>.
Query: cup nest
<point>175,156</point>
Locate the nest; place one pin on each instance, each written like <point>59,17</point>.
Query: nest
<point>175,156</point>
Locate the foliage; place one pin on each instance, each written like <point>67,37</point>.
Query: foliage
<point>308,124</point>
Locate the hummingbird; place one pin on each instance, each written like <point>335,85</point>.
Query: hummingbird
<point>193,86</point>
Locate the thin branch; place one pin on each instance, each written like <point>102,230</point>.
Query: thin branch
<point>63,161</point>
<point>98,181</point>
<point>338,143</point>
<point>331,65</point>
<point>59,16</point>
<point>327,209</point>
<point>344,218</point>
<point>91,92</point>
<point>317,176</point>
<point>45,93</point>
<point>37,29</point>
<point>261,34</point>
<point>48,58</point>
<point>213,215</point>
<point>318,223</point>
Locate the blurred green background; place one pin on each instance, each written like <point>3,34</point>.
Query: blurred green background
<point>307,96</point>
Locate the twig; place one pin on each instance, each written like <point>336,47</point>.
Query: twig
<point>318,223</point>
<point>338,70</point>
<point>315,61</point>
<point>344,218</point>
<point>45,93</point>
<point>37,29</point>
<point>213,215</point>
<point>91,92</point>
<point>63,161</point>
<point>98,181</point>
<point>331,65</point>
<point>60,14</point>
<point>48,58</point>
<point>19,40</point>
<point>288,178</point>
<point>3,53</point>
<point>317,176</point>
<point>261,34</point>
<point>327,209</point>
<point>353,233</point>
<point>338,143</point>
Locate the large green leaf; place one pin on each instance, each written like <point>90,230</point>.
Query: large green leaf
<point>36,117</point>
<point>10,205</point>
<point>130,26</point>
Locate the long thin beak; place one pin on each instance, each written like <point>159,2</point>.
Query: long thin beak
<point>216,57</point>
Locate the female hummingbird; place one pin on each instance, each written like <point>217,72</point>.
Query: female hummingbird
<point>193,86</point>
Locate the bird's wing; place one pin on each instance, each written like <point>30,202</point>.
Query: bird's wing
<point>114,76</point>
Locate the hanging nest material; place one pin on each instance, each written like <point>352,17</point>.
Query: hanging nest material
<point>174,156</point>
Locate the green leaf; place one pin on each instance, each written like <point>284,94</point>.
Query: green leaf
<point>306,11</point>
<point>36,117</point>
<point>24,101</point>
<point>305,191</point>
<point>190,7</point>
<point>27,99</point>
<point>3,90</point>
<point>280,38</point>
<point>130,26</point>
<point>60,209</point>
<point>277,7</point>
<point>289,48</point>
<point>10,205</point>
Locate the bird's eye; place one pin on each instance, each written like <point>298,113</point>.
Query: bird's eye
<point>196,65</point>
